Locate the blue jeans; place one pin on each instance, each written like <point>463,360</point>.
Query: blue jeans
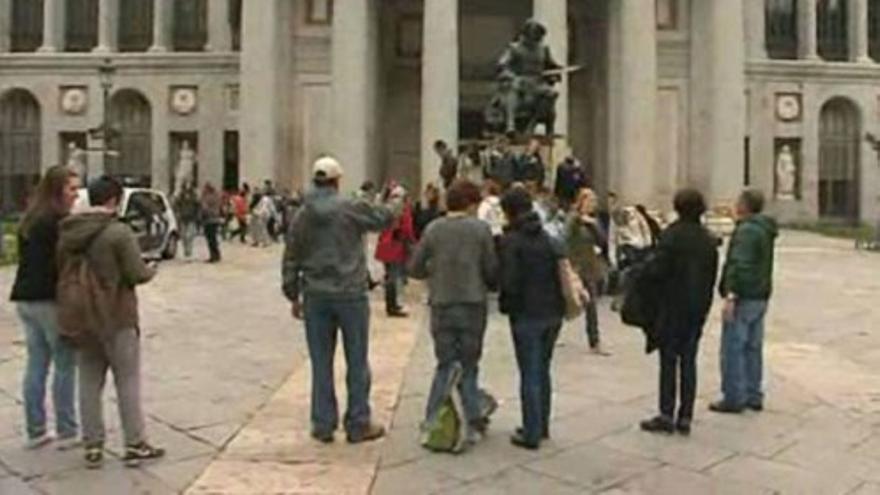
<point>458,332</point>
<point>45,348</point>
<point>324,318</point>
<point>742,345</point>
<point>534,341</point>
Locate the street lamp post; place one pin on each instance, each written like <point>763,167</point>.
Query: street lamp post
<point>104,132</point>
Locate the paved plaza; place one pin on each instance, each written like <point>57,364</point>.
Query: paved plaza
<point>226,393</point>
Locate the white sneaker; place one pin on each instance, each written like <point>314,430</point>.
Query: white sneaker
<point>38,442</point>
<point>70,443</point>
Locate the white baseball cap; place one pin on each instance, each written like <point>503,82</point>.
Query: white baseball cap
<point>326,168</point>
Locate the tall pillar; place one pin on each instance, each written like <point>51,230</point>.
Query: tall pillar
<point>219,30</point>
<point>108,15</point>
<point>53,25</point>
<point>440,83</point>
<point>807,29</point>
<point>355,89</point>
<point>633,178</point>
<point>755,20</point>
<point>719,118</point>
<point>858,12</point>
<point>5,25</point>
<point>162,18</point>
<point>553,14</point>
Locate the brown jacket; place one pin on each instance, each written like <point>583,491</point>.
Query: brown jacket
<point>115,258</point>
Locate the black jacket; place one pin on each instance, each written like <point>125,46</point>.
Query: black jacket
<point>530,286</point>
<point>570,178</point>
<point>37,273</point>
<point>682,271</point>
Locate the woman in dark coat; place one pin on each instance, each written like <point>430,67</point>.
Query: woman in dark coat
<point>684,270</point>
<point>531,295</point>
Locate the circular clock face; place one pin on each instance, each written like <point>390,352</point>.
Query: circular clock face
<point>183,100</point>
<point>788,107</point>
<point>74,101</point>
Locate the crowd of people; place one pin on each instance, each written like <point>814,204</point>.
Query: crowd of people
<point>549,256</point>
<point>544,254</point>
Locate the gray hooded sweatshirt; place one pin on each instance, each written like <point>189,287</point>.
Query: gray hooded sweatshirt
<point>324,253</point>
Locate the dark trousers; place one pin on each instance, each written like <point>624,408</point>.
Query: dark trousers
<point>678,372</point>
<point>394,273</point>
<point>242,230</point>
<point>458,332</point>
<point>534,341</point>
<point>211,231</point>
<point>592,315</point>
<point>325,319</point>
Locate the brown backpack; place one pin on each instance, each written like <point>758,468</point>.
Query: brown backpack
<point>79,289</point>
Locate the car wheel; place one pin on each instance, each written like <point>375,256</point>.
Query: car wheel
<point>170,251</point>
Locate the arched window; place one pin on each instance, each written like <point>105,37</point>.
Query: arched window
<point>135,25</point>
<point>131,116</point>
<point>190,25</point>
<point>781,29</point>
<point>27,25</point>
<point>81,30</point>
<point>874,29</point>
<point>832,29</point>
<point>839,159</point>
<point>20,154</point>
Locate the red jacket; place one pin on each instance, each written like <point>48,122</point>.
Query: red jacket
<point>393,242</point>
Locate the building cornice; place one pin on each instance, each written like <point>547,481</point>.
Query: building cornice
<point>813,71</point>
<point>127,63</point>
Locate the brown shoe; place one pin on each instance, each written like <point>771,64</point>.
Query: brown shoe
<point>366,434</point>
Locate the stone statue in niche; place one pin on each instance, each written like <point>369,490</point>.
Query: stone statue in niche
<point>786,174</point>
<point>186,164</point>
<point>526,76</point>
<point>76,160</point>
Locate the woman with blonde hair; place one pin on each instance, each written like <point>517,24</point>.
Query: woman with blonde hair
<point>584,238</point>
<point>35,296</point>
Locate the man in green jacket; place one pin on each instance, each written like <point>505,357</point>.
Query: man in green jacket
<point>746,286</point>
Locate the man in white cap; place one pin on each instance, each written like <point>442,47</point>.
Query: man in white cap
<point>324,263</point>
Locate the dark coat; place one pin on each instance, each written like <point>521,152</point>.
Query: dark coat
<point>748,269</point>
<point>570,178</point>
<point>682,271</point>
<point>37,273</point>
<point>530,286</point>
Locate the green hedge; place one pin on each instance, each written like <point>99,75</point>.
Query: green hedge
<point>837,230</point>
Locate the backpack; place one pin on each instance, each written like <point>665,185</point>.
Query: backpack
<point>446,430</point>
<point>79,289</point>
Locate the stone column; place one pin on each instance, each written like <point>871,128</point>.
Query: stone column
<point>807,29</point>
<point>108,14</point>
<point>162,19</point>
<point>719,113</point>
<point>637,89</point>
<point>5,25</point>
<point>756,31</point>
<point>219,31</point>
<point>53,25</point>
<point>858,14</point>
<point>553,14</point>
<point>355,69</point>
<point>440,83</point>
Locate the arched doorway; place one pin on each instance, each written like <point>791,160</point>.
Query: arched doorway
<point>20,154</point>
<point>131,116</point>
<point>839,159</point>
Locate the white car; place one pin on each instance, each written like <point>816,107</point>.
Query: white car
<point>149,214</point>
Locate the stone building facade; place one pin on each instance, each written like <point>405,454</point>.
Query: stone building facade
<point>718,94</point>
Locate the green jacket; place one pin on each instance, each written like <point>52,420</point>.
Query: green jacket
<point>748,269</point>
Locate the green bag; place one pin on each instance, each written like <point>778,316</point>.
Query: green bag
<point>446,431</point>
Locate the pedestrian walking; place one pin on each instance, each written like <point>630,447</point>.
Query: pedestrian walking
<point>393,248</point>
<point>212,217</point>
<point>325,279</point>
<point>490,210</point>
<point>427,210</point>
<point>261,213</point>
<point>98,240</point>
<point>570,179</point>
<point>584,238</point>
<point>34,295</point>
<point>746,286</point>
<point>683,272</point>
<point>188,210</point>
<point>448,163</point>
<point>240,210</point>
<point>531,296</point>
<point>457,257</point>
